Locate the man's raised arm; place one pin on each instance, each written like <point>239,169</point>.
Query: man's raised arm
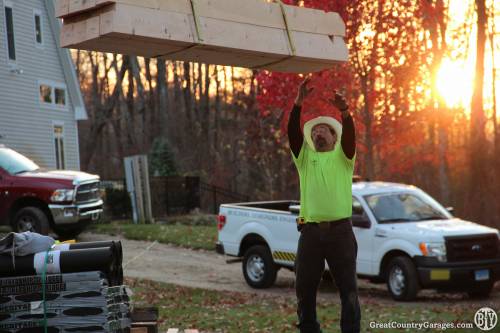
<point>295,137</point>
<point>348,139</point>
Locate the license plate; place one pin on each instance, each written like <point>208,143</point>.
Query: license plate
<point>440,274</point>
<point>482,275</point>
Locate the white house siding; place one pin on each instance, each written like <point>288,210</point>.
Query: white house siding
<point>26,124</point>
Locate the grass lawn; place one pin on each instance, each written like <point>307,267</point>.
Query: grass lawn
<point>188,232</point>
<point>215,311</point>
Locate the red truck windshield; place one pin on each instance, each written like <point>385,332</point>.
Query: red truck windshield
<point>15,163</point>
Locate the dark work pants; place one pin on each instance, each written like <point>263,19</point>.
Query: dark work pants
<point>337,244</point>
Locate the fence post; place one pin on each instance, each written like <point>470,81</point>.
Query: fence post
<point>192,193</point>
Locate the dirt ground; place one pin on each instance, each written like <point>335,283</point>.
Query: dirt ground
<point>209,270</point>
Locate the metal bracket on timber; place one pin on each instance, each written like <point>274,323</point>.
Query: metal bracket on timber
<point>196,21</point>
<point>289,35</point>
<point>197,28</point>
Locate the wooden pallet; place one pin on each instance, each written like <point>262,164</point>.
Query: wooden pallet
<point>144,320</point>
<point>244,33</point>
<point>256,12</point>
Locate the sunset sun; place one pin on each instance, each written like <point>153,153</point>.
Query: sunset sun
<point>454,83</point>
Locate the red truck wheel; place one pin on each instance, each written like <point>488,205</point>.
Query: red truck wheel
<point>31,219</point>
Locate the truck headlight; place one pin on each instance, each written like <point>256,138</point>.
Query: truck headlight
<point>62,195</point>
<point>434,250</point>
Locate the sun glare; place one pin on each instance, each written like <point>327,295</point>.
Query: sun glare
<point>454,83</point>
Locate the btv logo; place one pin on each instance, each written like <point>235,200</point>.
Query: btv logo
<point>485,319</point>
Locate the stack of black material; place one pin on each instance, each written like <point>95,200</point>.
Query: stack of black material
<point>71,288</point>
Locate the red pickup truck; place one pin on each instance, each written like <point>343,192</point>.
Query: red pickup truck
<point>32,199</point>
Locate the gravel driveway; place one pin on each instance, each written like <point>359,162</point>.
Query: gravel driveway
<point>208,270</point>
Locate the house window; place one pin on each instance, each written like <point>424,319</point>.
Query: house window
<point>53,94</point>
<point>59,146</point>
<point>46,93</point>
<point>60,96</point>
<point>38,28</point>
<point>9,28</point>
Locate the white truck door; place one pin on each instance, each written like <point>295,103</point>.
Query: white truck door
<point>364,237</point>
<point>286,239</point>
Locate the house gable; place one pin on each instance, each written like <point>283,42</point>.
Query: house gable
<point>39,88</point>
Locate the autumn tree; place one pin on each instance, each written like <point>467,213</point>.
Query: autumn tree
<point>478,170</point>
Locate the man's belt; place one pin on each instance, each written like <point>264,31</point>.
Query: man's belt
<point>323,225</point>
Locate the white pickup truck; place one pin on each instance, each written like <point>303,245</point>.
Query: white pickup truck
<point>406,239</point>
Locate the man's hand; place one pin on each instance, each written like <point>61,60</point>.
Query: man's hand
<point>303,91</point>
<point>340,103</point>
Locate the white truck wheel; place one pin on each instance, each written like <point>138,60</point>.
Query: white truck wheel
<point>259,268</point>
<point>402,280</point>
